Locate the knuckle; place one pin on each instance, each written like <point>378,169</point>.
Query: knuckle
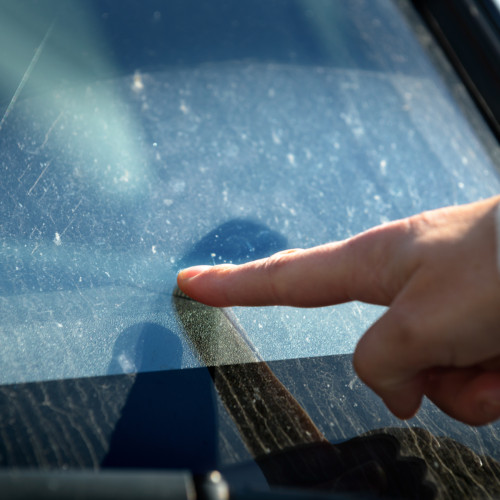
<point>276,268</point>
<point>420,223</point>
<point>425,227</point>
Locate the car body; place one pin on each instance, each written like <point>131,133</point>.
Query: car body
<point>138,138</point>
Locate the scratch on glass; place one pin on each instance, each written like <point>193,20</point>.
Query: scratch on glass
<point>39,177</point>
<point>73,210</point>
<point>47,135</point>
<point>27,73</point>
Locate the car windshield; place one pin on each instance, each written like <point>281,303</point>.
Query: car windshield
<point>141,137</point>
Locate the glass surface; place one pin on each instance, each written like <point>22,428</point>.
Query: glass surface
<point>137,138</point>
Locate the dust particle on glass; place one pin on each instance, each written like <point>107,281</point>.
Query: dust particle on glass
<point>137,83</point>
<point>183,108</point>
<point>383,167</point>
<point>276,138</point>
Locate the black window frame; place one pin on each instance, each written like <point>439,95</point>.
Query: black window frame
<point>469,33</point>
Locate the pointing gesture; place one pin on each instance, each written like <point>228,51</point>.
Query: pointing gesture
<point>436,271</point>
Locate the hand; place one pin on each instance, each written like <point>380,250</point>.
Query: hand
<point>437,272</point>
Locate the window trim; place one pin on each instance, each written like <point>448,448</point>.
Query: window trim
<point>469,33</point>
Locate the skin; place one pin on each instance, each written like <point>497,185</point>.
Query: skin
<point>437,273</point>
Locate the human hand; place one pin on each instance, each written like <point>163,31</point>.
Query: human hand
<point>437,272</point>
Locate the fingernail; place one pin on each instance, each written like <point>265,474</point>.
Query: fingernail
<point>191,272</point>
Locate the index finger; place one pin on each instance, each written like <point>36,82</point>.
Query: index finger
<point>359,268</point>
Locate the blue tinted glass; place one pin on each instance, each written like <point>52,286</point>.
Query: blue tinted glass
<point>137,138</point>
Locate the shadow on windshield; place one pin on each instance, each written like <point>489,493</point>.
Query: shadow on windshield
<point>154,348</point>
<point>169,418</point>
<point>235,241</point>
<point>168,413</point>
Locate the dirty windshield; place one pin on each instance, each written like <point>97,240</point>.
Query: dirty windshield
<point>137,138</point>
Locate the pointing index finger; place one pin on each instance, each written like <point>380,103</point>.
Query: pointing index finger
<point>355,269</point>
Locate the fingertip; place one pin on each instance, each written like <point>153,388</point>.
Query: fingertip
<point>190,272</point>
<point>401,392</point>
<point>404,398</point>
<point>403,406</point>
<point>206,284</point>
<point>185,277</point>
